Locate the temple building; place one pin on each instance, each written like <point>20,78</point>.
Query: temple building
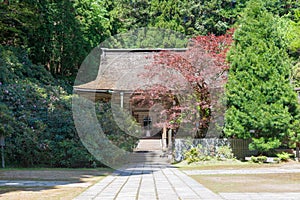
<point>119,76</point>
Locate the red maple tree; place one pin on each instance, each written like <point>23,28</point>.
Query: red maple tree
<point>181,83</point>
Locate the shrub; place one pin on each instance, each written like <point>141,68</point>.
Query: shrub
<point>276,160</point>
<point>192,155</point>
<point>258,159</point>
<point>199,153</point>
<point>123,134</point>
<point>264,146</point>
<point>36,116</point>
<point>283,156</point>
<point>224,152</point>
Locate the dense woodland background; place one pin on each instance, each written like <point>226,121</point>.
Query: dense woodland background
<point>44,42</point>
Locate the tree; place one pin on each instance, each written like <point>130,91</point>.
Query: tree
<point>36,116</point>
<point>190,17</point>
<point>58,41</point>
<point>294,47</point>
<point>17,21</point>
<point>183,83</point>
<point>6,120</point>
<point>261,102</point>
<point>94,19</point>
<point>57,34</point>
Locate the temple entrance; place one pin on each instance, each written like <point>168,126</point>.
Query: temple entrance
<point>142,117</point>
<point>147,125</point>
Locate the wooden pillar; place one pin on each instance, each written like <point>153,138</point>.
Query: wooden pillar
<point>170,139</point>
<point>297,151</point>
<point>122,99</point>
<point>170,146</point>
<point>164,137</point>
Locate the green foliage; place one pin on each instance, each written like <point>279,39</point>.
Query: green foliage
<point>7,120</point>
<point>16,67</point>
<point>192,155</point>
<point>93,19</point>
<point>16,23</point>
<point>36,116</point>
<point>261,102</point>
<point>258,159</point>
<point>147,38</point>
<point>35,108</point>
<point>58,34</point>
<point>282,8</point>
<point>294,34</point>
<point>199,153</point>
<point>190,17</point>
<point>283,156</point>
<point>58,41</point>
<point>264,145</point>
<point>294,47</point>
<point>125,134</point>
<point>224,152</point>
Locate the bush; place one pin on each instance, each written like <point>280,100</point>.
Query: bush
<point>199,153</point>
<point>224,152</point>
<point>36,116</point>
<point>125,134</point>
<point>258,159</point>
<point>264,146</point>
<point>284,156</point>
<point>192,155</point>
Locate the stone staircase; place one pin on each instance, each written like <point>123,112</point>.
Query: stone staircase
<point>149,145</point>
<point>149,151</point>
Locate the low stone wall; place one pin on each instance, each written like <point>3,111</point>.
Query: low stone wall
<point>209,145</point>
<point>239,147</point>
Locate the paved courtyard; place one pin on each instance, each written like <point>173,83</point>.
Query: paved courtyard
<point>148,181</point>
<point>160,182</point>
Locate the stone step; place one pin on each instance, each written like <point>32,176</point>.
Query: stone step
<point>149,145</point>
<point>149,157</point>
<point>149,151</point>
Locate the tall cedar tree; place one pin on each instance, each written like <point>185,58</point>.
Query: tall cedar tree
<point>261,102</point>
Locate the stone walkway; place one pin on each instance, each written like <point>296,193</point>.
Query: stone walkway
<point>163,182</point>
<point>148,182</point>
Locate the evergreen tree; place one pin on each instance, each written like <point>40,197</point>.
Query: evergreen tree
<point>261,102</point>
<point>57,34</point>
<point>294,47</point>
<point>191,17</point>
<point>67,32</point>
<point>16,22</point>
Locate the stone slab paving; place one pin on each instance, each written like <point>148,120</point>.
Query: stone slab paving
<point>164,182</point>
<point>148,182</point>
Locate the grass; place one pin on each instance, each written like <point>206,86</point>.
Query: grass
<point>231,164</point>
<point>53,169</point>
<point>38,193</point>
<point>240,183</point>
<point>85,177</point>
<point>276,183</point>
